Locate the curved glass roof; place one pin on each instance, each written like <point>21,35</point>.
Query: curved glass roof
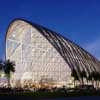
<point>75,56</point>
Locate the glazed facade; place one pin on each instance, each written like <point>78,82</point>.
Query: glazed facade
<point>42,55</point>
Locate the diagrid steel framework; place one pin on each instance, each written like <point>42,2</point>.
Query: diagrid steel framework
<point>42,54</point>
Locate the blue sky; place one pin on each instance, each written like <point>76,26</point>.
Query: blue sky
<point>78,20</point>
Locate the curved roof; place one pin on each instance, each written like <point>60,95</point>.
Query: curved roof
<point>72,53</point>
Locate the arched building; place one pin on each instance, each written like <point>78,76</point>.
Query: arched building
<point>42,55</point>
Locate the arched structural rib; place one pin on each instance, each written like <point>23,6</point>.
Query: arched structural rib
<point>74,55</point>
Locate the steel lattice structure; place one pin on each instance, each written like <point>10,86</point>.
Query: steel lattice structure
<point>41,53</point>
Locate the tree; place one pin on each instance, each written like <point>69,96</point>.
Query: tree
<point>1,67</point>
<point>74,75</point>
<point>89,78</point>
<point>8,67</point>
<point>83,75</point>
<point>96,77</point>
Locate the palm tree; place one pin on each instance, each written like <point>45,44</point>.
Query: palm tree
<point>8,68</point>
<point>74,75</point>
<point>83,75</point>
<point>92,76</point>
<point>89,78</point>
<point>96,78</point>
<point>1,67</point>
